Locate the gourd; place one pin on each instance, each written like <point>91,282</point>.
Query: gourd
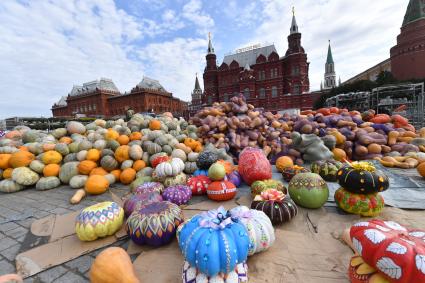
<point>178,153</point>
<point>142,225</point>
<point>62,148</point>
<point>197,236</point>
<point>308,190</point>
<point>421,169</point>
<point>74,127</point>
<point>253,165</point>
<point>327,169</point>
<point>21,159</point>
<point>82,155</point>
<point>139,165</point>
<point>258,226</point>
<point>123,139</point>
<point>136,152</point>
<point>199,184</point>
<point>127,164</point>
<point>93,155</point>
<point>221,190</point>
<point>154,125</point>
<point>158,158</point>
<point>339,154</point>
<point>10,186</point>
<point>4,160</point>
<point>111,178</point>
<point>78,181</point>
<point>179,194</point>
<point>98,171</point>
<point>127,176</point>
<point>36,166</point>
<point>7,174</point>
<point>99,220</point>
<point>112,265</point>
<point>84,145</point>
<point>96,184</point>
<point>51,170</point>
<point>190,167</point>
<point>86,166</point>
<point>172,168</point>
<point>283,162</point>
<point>47,183</point>
<point>122,153</point>
<point>51,157</point>
<point>25,176</point>
<point>192,156</point>
<point>153,148</point>
<point>365,205</point>
<point>362,177</point>
<point>59,133</point>
<point>149,186</point>
<point>108,163</point>
<point>234,178</point>
<point>216,172</point>
<point>180,179</point>
<point>206,159</point>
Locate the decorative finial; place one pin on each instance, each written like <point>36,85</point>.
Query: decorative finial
<point>196,74</point>
<point>209,35</point>
<point>329,41</point>
<point>293,11</point>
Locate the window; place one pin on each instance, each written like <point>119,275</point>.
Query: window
<point>209,100</point>
<point>246,93</point>
<point>295,70</point>
<point>262,93</point>
<point>274,91</point>
<point>261,75</point>
<point>225,97</point>
<point>296,89</point>
<point>89,107</point>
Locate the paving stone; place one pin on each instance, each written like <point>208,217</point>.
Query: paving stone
<point>82,263</point>
<point>70,277</point>
<point>17,232</point>
<point>7,213</point>
<point>6,267</point>
<point>60,211</point>
<point>8,226</point>
<point>41,214</point>
<point>26,222</point>
<point>6,243</point>
<point>52,273</point>
<point>11,252</point>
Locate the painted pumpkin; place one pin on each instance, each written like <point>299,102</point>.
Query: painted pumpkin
<point>308,190</point>
<point>362,177</point>
<point>253,165</point>
<point>140,198</point>
<point>327,169</point>
<point>193,275</point>
<point>213,243</point>
<point>283,162</point>
<point>361,272</point>
<point>259,186</point>
<point>149,187</point>
<point>180,179</point>
<point>221,190</point>
<point>169,169</point>
<point>276,205</point>
<point>200,172</point>
<point>154,224</point>
<point>179,194</point>
<point>289,172</point>
<point>199,184</point>
<point>397,252</point>
<point>99,220</point>
<point>227,166</point>
<point>361,204</point>
<point>258,225</point>
<point>206,159</point>
<point>159,159</point>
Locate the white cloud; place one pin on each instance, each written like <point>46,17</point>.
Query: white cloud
<point>192,11</point>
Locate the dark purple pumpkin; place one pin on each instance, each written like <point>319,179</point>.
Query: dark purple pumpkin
<point>234,178</point>
<point>141,198</point>
<point>179,194</point>
<point>279,211</point>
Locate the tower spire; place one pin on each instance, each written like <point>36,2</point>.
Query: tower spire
<point>197,86</point>
<point>294,26</point>
<point>210,47</point>
<point>329,59</point>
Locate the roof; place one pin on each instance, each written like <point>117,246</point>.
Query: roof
<point>249,57</point>
<point>102,84</point>
<point>62,101</point>
<point>330,59</point>
<point>197,86</point>
<point>415,11</point>
<point>151,84</point>
<point>294,26</point>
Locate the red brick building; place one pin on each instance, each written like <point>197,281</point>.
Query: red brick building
<point>102,98</point>
<point>408,56</point>
<point>266,79</point>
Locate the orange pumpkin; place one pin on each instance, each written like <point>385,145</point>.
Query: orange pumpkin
<point>51,157</point>
<point>98,171</point>
<point>93,155</point>
<point>199,148</point>
<point>339,154</point>
<point>13,135</point>
<point>139,165</point>
<point>7,174</point>
<point>51,170</point>
<point>122,153</point>
<point>86,166</point>
<point>4,160</point>
<point>283,162</point>
<point>135,136</point>
<point>191,143</point>
<point>127,176</point>
<point>116,173</point>
<point>111,134</point>
<point>420,168</point>
<point>96,184</point>
<point>23,147</point>
<point>123,140</point>
<point>66,140</point>
<point>21,159</point>
<point>155,125</point>
<point>48,146</point>
<point>227,165</point>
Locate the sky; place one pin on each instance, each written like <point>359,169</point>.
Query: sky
<point>46,47</point>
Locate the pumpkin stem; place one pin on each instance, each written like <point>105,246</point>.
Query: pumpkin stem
<point>362,166</point>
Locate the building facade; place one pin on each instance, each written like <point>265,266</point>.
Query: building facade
<point>372,73</point>
<point>265,78</point>
<point>101,98</point>
<point>408,56</point>
<point>330,76</point>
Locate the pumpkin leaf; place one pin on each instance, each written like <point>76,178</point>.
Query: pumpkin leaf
<point>388,266</point>
<point>374,236</point>
<point>397,248</point>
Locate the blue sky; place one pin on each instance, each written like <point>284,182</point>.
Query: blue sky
<point>48,46</point>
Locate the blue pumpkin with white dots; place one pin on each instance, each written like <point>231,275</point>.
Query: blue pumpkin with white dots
<point>200,172</point>
<point>214,242</point>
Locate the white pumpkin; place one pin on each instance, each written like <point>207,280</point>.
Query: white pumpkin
<point>111,178</point>
<point>78,181</point>
<point>99,144</point>
<point>47,183</point>
<point>135,152</point>
<point>259,227</point>
<point>192,156</point>
<point>82,155</point>
<point>178,153</point>
<point>25,176</point>
<point>37,166</point>
<point>10,186</point>
<point>127,164</point>
<point>170,169</point>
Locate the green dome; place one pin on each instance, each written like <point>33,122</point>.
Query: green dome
<point>308,190</point>
<point>415,11</point>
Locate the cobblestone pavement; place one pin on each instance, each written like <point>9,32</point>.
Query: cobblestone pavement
<point>19,210</point>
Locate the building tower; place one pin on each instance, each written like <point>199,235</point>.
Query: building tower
<point>330,76</point>
<point>210,76</point>
<point>196,97</point>
<point>295,62</point>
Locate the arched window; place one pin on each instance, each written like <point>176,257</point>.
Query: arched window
<point>262,93</point>
<point>296,89</point>
<point>274,91</point>
<point>246,93</point>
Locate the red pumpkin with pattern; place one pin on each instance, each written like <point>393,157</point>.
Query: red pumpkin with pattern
<point>199,184</point>
<point>395,251</point>
<point>221,190</point>
<point>159,159</point>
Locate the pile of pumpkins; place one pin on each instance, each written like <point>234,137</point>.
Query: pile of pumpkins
<point>91,157</point>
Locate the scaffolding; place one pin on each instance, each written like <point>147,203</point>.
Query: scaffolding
<point>359,101</point>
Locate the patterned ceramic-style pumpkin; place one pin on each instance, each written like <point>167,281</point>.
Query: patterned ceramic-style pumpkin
<point>362,177</point>
<point>259,186</point>
<point>278,207</point>
<point>254,165</point>
<point>193,275</point>
<point>361,272</point>
<point>198,184</point>
<point>149,187</point>
<point>180,179</point>
<point>206,159</point>
<point>289,172</point>
<point>154,224</point>
<point>397,252</point>
<point>213,243</point>
<point>257,223</point>
<point>221,190</point>
<point>327,169</point>
<point>179,194</point>
<point>99,220</point>
<point>308,190</point>
<point>234,177</point>
<point>140,198</point>
<point>364,205</point>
